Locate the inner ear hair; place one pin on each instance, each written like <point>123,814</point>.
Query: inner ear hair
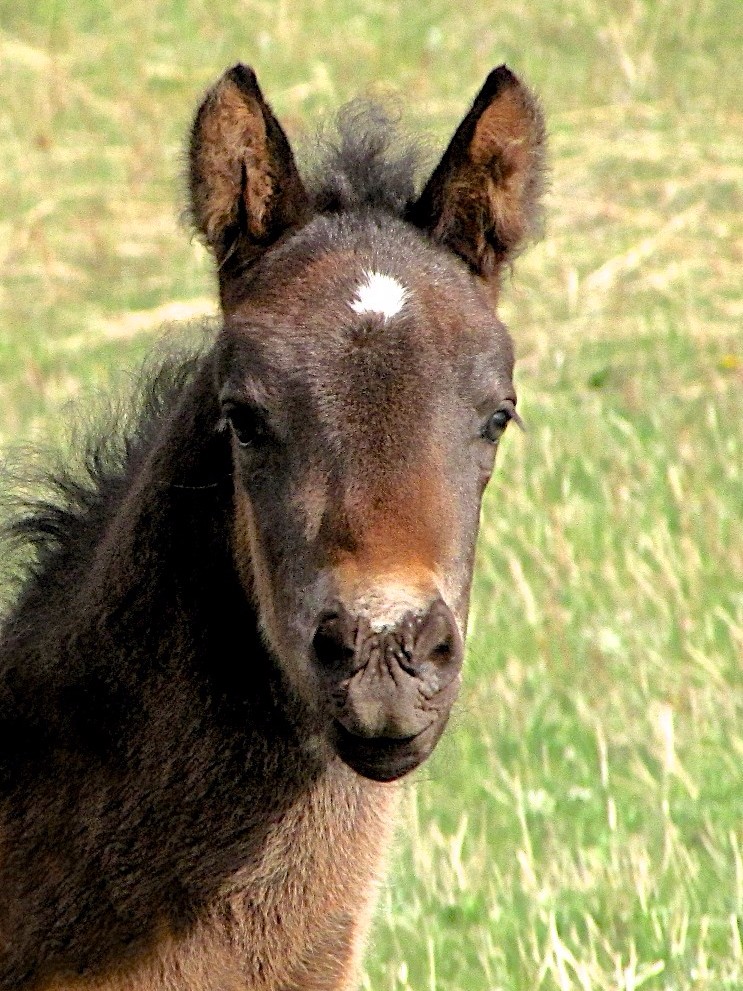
<point>245,188</point>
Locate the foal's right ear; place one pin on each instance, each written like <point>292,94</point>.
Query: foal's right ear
<point>244,184</point>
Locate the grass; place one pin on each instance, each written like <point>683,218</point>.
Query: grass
<point>581,825</point>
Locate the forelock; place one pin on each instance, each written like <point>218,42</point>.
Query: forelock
<point>364,163</point>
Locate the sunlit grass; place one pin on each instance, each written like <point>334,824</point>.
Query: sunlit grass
<point>581,825</point>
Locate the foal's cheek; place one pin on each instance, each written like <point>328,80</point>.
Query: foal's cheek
<point>256,569</point>
<point>459,577</point>
<point>251,565</point>
<point>487,467</point>
<point>287,598</point>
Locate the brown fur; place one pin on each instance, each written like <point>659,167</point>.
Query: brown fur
<point>305,932</point>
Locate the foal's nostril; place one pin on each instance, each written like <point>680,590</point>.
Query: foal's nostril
<point>442,652</point>
<point>438,641</point>
<point>334,642</point>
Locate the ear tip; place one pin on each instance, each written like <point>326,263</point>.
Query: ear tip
<point>244,78</point>
<point>503,72</point>
<point>499,79</point>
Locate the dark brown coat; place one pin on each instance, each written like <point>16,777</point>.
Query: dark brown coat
<point>247,621</point>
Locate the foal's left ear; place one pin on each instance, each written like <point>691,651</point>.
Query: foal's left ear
<point>482,200</point>
<point>245,187</point>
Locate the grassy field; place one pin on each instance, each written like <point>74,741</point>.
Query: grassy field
<point>581,825</point>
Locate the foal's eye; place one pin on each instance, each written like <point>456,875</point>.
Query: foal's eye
<point>248,424</point>
<point>496,423</point>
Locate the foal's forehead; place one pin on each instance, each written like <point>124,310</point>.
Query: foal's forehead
<point>374,293</point>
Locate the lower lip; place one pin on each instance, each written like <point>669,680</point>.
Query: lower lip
<point>381,759</point>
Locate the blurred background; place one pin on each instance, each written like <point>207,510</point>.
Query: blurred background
<point>581,824</point>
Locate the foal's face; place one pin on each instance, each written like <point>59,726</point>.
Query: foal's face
<point>365,403</point>
<point>366,381</point>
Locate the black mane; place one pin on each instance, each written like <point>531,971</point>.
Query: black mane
<point>366,164</point>
<point>62,506</point>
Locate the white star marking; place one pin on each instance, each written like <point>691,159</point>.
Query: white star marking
<point>380,294</point>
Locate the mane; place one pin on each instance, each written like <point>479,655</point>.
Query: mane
<point>365,163</point>
<point>50,510</point>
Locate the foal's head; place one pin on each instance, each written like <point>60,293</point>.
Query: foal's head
<point>366,382</point>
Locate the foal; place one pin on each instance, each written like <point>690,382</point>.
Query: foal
<point>237,633</point>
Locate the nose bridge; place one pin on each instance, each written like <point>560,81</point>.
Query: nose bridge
<point>394,570</point>
<point>392,567</point>
<point>397,517</point>
<point>387,530</point>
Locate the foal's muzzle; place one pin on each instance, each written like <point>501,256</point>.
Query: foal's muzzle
<point>389,691</point>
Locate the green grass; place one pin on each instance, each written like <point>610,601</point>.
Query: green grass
<point>581,824</point>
